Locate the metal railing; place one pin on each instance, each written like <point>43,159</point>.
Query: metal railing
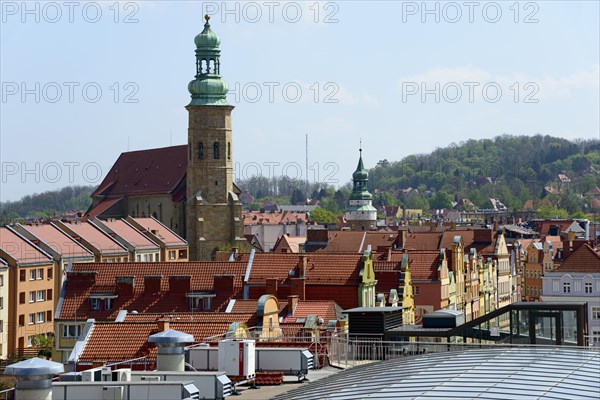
<point>7,394</point>
<point>346,352</point>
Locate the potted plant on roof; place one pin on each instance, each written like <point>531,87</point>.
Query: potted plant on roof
<point>44,345</point>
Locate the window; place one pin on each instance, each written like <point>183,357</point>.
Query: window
<point>49,273</point>
<point>41,295</point>
<point>22,275</point>
<point>31,319</point>
<point>1,325</point>
<point>107,304</point>
<point>22,298</point>
<point>71,331</point>
<point>417,290</point>
<point>172,254</point>
<point>40,273</point>
<point>200,151</point>
<point>1,303</point>
<point>32,296</point>
<point>567,287</point>
<point>216,150</point>
<point>182,253</point>
<point>29,341</point>
<point>229,150</point>
<point>595,312</point>
<point>588,287</point>
<point>40,317</point>
<point>49,316</point>
<point>206,303</point>
<point>22,320</point>
<point>94,304</point>
<point>49,294</point>
<point>32,274</point>
<point>194,301</point>
<point>1,280</point>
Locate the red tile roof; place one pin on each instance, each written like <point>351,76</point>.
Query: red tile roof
<point>130,234</point>
<point>121,341</point>
<point>167,236</point>
<point>584,259</point>
<point>200,317</point>
<point>323,309</point>
<point>424,265</point>
<point>20,249</point>
<point>58,240</point>
<point>422,240</point>
<point>85,279</point>
<point>102,206</point>
<point>273,218</point>
<point>145,172</point>
<point>101,241</point>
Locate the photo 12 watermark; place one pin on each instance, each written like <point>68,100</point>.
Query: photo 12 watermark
<point>63,172</point>
<point>69,92</point>
<point>288,92</point>
<point>253,12</point>
<point>469,92</point>
<point>53,12</point>
<point>453,12</point>
<point>317,172</point>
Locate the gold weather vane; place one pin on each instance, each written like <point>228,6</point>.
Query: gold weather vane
<point>206,17</point>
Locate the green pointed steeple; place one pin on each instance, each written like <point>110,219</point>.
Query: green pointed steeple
<point>360,178</point>
<point>208,89</point>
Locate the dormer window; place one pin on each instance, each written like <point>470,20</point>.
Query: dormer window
<point>106,298</point>
<point>200,300</point>
<point>94,304</point>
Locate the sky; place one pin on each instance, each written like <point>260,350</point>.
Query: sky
<point>83,82</point>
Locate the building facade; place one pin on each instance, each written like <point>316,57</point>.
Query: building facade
<point>360,214</point>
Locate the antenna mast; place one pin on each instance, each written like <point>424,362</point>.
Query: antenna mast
<point>306,152</point>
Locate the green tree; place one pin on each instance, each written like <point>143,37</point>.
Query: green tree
<point>440,200</point>
<point>546,211</point>
<point>44,345</point>
<point>323,216</point>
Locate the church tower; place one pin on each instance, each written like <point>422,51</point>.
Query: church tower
<point>360,214</point>
<point>214,212</point>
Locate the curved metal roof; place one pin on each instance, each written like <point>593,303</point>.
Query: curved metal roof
<point>506,373</point>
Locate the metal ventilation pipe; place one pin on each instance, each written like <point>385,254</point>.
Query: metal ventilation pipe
<point>171,349</point>
<point>34,378</point>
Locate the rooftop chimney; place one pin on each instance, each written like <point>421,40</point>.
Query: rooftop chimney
<point>164,324</point>
<point>271,286</point>
<point>302,264</point>
<point>34,378</point>
<point>297,288</point>
<point>292,303</point>
<point>171,349</point>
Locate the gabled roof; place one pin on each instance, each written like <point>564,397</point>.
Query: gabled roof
<point>353,241</point>
<point>289,244</point>
<point>200,317</point>
<point>57,240</point>
<point>128,233</point>
<point>584,259</point>
<point>322,268</point>
<point>154,228</point>
<point>422,240</point>
<point>20,249</point>
<point>149,171</point>
<point>483,240</point>
<point>94,236</point>
<point>424,265</point>
<point>85,279</point>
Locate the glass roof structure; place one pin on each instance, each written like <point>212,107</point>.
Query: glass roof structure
<point>502,373</point>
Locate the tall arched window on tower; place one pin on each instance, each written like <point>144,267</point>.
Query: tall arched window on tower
<point>216,150</point>
<point>200,151</point>
<point>229,150</point>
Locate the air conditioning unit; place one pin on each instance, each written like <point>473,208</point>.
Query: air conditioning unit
<point>92,375</point>
<point>112,393</point>
<point>121,375</point>
<point>237,358</point>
